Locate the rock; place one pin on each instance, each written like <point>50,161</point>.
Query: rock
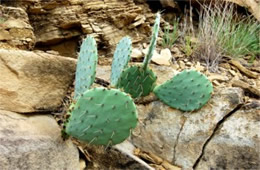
<point>236,144</point>
<point>164,58</point>
<point>198,67</point>
<point>252,5</point>
<point>179,137</point>
<point>182,65</point>
<point>56,21</point>
<point>168,3</point>
<point>117,157</point>
<point>136,53</point>
<point>34,142</point>
<point>219,77</point>
<point>33,81</point>
<point>15,29</point>
<point>103,72</point>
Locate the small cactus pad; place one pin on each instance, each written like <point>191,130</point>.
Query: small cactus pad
<point>187,91</point>
<point>102,117</point>
<point>137,82</point>
<point>152,46</point>
<point>86,66</point>
<point>120,59</point>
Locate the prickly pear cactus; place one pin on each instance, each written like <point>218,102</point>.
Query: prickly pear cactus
<point>187,91</point>
<point>137,82</point>
<point>102,117</point>
<point>152,46</point>
<point>120,59</point>
<point>86,66</point>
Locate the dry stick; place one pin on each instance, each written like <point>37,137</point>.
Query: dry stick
<point>245,86</point>
<point>244,70</point>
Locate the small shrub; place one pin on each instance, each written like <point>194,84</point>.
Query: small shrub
<point>170,36</point>
<point>221,32</point>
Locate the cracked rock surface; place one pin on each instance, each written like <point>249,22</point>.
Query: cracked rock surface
<point>236,144</point>
<point>180,137</point>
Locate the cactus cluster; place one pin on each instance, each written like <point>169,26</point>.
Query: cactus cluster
<point>100,116</point>
<point>187,91</point>
<point>104,116</point>
<point>140,80</point>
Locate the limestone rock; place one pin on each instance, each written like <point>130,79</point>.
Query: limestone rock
<point>34,142</point>
<point>168,3</point>
<point>15,29</point>
<point>136,53</point>
<point>164,58</point>
<point>179,137</point>
<point>108,21</point>
<point>33,81</point>
<point>236,144</point>
<point>252,5</point>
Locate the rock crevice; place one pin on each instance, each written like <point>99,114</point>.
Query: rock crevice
<point>217,127</point>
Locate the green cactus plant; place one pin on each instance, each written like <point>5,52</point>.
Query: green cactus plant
<point>137,82</point>
<point>86,66</point>
<point>102,117</point>
<point>153,41</point>
<point>187,91</point>
<point>140,80</point>
<point>120,59</point>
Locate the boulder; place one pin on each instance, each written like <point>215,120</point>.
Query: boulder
<point>33,81</point>
<point>34,142</point>
<point>236,144</point>
<point>180,137</point>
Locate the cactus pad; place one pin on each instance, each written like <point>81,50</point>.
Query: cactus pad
<point>120,59</point>
<point>152,46</point>
<point>102,117</point>
<point>187,91</point>
<point>86,66</point>
<point>136,81</point>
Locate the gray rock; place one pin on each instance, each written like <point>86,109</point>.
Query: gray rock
<point>34,142</point>
<point>179,137</point>
<point>33,81</point>
<point>236,145</point>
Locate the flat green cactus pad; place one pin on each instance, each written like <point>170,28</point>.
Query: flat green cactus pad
<point>102,117</point>
<point>136,81</point>
<point>155,31</point>
<point>86,66</point>
<point>187,91</point>
<point>120,59</point>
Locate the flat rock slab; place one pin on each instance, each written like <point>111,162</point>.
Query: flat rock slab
<point>33,81</point>
<point>34,142</point>
<point>179,137</point>
<point>236,145</point>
